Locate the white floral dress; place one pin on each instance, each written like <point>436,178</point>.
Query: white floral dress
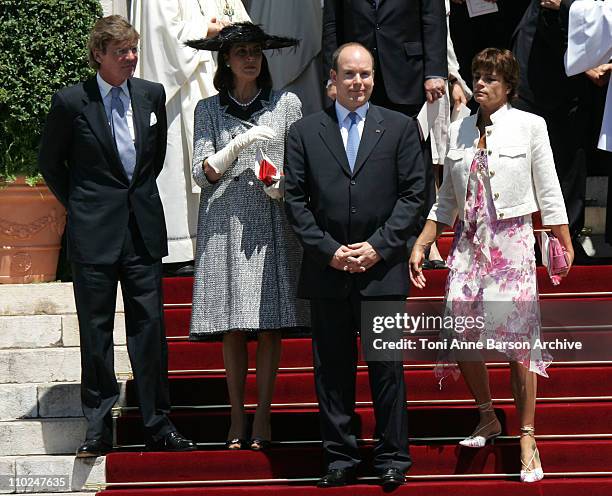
<point>493,274</point>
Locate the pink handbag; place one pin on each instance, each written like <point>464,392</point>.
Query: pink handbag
<point>553,256</point>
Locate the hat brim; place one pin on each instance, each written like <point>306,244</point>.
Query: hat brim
<point>244,32</point>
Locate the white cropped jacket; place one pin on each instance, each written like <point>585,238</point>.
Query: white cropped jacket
<point>521,168</point>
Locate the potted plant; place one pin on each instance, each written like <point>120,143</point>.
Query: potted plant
<point>43,47</point>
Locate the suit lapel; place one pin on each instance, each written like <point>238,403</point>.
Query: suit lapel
<point>141,111</point>
<point>372,132</point>
<point>96,116</point>
<point>330,134</point>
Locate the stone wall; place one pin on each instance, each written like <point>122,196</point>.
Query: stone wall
<point>41,422</point>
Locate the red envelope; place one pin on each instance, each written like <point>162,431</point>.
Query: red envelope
<point>265,170</point>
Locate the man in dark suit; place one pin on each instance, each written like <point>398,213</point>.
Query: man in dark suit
<point>102,149</point>
<point>354,193</point>
<point>408,40</point>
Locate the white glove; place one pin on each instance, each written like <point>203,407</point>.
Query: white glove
<point>225,157</point>
<point>276,191</point>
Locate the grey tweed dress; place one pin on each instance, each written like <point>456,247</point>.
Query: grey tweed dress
<point>247,257</point>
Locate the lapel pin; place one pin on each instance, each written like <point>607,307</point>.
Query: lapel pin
<point>378,130</point>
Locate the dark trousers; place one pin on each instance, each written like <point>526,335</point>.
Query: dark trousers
<point>334,342</point>
<point>95,292</point>
<point>567,139</point>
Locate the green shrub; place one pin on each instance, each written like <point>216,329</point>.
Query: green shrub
<point>43,47</point>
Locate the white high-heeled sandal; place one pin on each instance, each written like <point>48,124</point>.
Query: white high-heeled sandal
<point>476,440</point>
<point>531,474</point>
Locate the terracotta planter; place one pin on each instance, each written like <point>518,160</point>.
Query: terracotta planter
<point>32,221</point>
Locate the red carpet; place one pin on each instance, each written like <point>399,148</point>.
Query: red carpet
<point>300,462</point>
<point>582,279</point>
<point>575,401</point>
<point>498,487</point>
<point>193,358</point>
<point>556,418</point>
<point>421,385</point>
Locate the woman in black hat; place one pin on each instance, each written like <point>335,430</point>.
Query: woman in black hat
<point>247,258</point>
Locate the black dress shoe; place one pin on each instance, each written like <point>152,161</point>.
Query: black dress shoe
<point>172,441</point>
<point>93,447</point>
<point>438,264</point>
<point>337,477</point>
<point>178,269</point>
<point>427,264</point>
<point>392,477</point>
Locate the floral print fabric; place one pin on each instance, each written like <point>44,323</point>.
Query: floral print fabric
<point>493,275</point>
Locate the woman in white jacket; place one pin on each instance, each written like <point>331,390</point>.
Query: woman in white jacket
<point>499,169</point>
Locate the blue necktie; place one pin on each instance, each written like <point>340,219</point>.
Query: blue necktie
<point>352,144</point>
<point>121,132</point>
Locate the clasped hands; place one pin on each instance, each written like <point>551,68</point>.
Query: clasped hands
<point>355,258</point>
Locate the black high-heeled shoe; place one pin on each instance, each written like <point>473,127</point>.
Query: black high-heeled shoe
<point>258,444</point>
<point>235,444</point>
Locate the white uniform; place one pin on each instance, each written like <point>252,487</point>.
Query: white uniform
<point>187,74</point>
<point>590,45</point>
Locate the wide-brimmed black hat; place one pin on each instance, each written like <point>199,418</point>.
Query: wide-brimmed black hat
<point>242,32</point>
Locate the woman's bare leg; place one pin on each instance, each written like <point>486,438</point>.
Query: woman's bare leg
<point>235,358</point>
<point>476,377</point>
<point>524,390</point>
<point>268,357</point>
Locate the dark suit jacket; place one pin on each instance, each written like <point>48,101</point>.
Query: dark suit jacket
<point>80,163</point>
<point>539,44</point>
<point>380,202</point>
<point>408,37</point>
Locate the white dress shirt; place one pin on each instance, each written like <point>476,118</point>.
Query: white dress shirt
<point>345,122</point>
<point>105,92</point>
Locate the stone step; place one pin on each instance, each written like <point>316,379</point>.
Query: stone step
<point>67,473</point>
<point>50,400</point>
<point>42,436</point>
<point>52,298</point>
<point>44,331</point>
<point>50,365</point>
<point>33,331</point>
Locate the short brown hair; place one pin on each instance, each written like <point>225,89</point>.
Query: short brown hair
<point>503,63</point>
<point>338,51</point>
<point>107,30</point>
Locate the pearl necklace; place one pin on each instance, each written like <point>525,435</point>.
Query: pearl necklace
<point>245,105</point>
